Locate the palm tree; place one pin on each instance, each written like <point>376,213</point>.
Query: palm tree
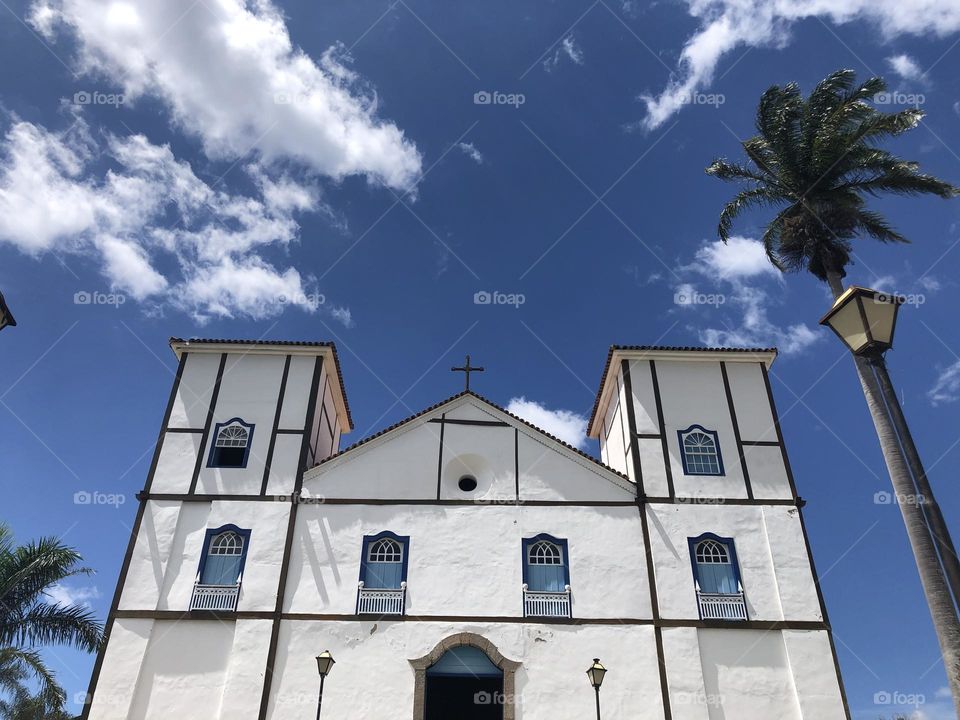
<point>815,161</point>
<point>29,620</point>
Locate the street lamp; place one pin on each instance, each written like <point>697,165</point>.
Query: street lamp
<point>325,662</point>
<point>596,672</point>
<point>6,317</point>
<point>865,320</point>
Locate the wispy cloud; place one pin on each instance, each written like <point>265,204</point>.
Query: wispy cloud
<point>66,595</point>
<point>470,150</point>
<point>569,49</point>
<point>946,389</point>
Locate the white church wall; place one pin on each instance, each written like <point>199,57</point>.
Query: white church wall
<point>818,691</point>
<point>692,394</point>
<point>151,555</point>
<point>297,395</point>
<point>373,678</point>
<point>748,675</point>
<point>653,468</point>
<point>192,400</point>
<point>644,399</point>
<point>487,453</point>
<point>467,560</point>
<point>749,391</point>
<point>243,681</point>
<point>178,457</point>
<point>681,655</point>
<point>791,564</point>
<point>672,525</point>
<point>284,464</point>
<point>768,474</point>
<point>547,475</point>
<point>121,668</point>
<point>249,390</point>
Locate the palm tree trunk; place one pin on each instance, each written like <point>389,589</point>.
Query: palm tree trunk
<point>935,588</point>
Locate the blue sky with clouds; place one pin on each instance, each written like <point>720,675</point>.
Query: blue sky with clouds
<point>360,171</point>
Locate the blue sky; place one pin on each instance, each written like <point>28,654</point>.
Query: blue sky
<point>328,171</point>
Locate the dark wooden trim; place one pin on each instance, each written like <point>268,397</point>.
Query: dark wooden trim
<point>454,421</point>
<point>736,429</point>
<point>655,607</point>
<point>440,455</point>
<point>791,502</point>
<point>668,468</point>
<point>513,619</point>
<point>662,667</point>
<point>647,436</point>
<point>289,431</point>
<point>760,443</point>
<point>288,541</point>
<point>516,463</point>
<point>276,423</point>
<point>201,452</point>
<point>113,613</point>
<point>184,430</point>
<point>632,427</point>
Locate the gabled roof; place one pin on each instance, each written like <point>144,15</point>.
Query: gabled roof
<point>666,349</point>
<point>470,393</point>
<point>179,344</point>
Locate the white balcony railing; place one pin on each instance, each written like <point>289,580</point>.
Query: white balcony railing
<point>726,606</point>
<point>381,601</point>
<point>215,597</point>
<point>537,603</point>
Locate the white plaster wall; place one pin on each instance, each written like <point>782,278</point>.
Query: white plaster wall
<point>748,674</point>
<point>487,452</point>
<point>653,468</point>
<point>249,390</point>
<point>121,668</point>
<point>243,683</point>
<point>373,679</point>
<point>644,400</point>
<point>192,400</point>
<point>681,654</point>
<point>751,401</point>
<point>791,564</point>
<point>178,457</point>
<point>467,560</point>
<point>818,691</point>
<point>167,554</point>
<point>283,468</point>
<point>672,525</point>
<point>768,474</point>
<point>546,474</point>
<point>297,395</point>
<point>692,393</point>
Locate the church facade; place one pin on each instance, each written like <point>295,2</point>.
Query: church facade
<point>464,563</point>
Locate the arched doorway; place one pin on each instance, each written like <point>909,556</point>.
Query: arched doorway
<point>464,678</point>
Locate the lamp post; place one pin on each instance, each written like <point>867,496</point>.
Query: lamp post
<point>865,320</point>
<point>325,662</point>
<point>6,317</point>
<point>596,672</point>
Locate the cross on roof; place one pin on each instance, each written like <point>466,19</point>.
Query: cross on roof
<point>466,370</point>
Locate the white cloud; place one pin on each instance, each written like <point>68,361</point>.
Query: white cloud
<point>907,68</point>
<point>343,316</point>
<point>230,75</point>
<point>738,258</point>
<point>64,595</point>
<point>947,387</point>
<point>567,425</point>
<point>739,276</point>
<point>150,211</point>
<point>726,25</point>
<point>471,152</point>
<point>569,49</point>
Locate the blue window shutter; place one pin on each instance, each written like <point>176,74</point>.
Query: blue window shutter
<point>384,575</point>
<point>221,570</point>
<point>716,578</point>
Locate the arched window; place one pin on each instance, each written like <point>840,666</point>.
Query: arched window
<point>700,451</point>
<point>224,555</point>
<point>545,564</point>
<point>231,444</point>
<point>384,563</point>
<point>714,565</point>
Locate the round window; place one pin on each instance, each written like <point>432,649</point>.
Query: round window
<point>467,483</point>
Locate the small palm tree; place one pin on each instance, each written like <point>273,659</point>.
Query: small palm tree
<point>816,160</point>
<point>28,620</point>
